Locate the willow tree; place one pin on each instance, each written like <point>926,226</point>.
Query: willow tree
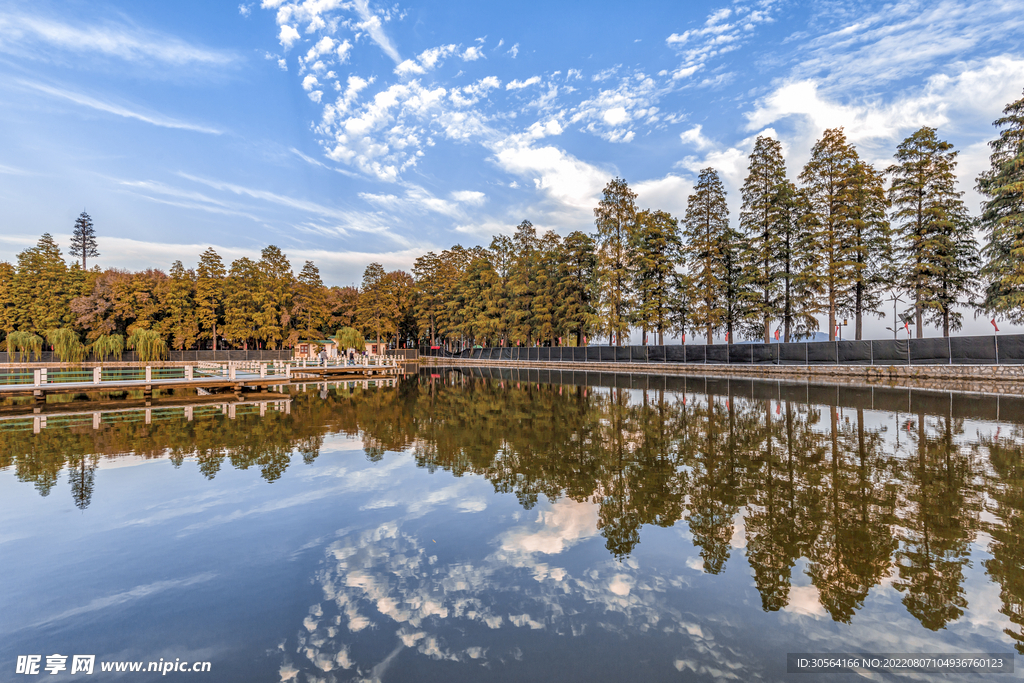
<point>826,182</point>
<point>1002,218</point>
<point>929,216</point>
<point>616,221</point>
<point>656,251</point>
<point>706,234</point>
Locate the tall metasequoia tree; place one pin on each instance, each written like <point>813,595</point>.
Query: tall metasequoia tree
<point>378,306</point>
<point>1002,218</point>
<point>826,183</point>
<point>522,284</point>
<point>83,239</point>
<point>871,242</point>
<point>927,211</point>
<point>797,264</point>
<point>706,233</point>
<point>655,249</point>
<point>576,295</point>
<point>309,307</point>
<point>239,303</point>
<point>209,294</point>
<point>616,221</point>
<point>428,302</point>
<point>179,307</point>
<point>273,297</point>
<point>762,219</point>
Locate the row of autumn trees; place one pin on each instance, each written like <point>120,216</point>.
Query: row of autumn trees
<point>248,304</point>
<point>833,244</point>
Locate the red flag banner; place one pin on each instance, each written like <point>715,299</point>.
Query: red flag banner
<point>993,321</point>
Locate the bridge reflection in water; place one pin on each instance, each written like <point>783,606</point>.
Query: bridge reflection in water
<point>855,486</point>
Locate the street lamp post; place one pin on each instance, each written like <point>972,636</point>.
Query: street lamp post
<point>894,298</point>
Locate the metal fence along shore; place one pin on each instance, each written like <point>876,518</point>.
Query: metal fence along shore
<point>983,350</point>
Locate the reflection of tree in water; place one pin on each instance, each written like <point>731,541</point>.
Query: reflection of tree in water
<point>82,473</point>
<point>714,496</point>
<point>1006,489</point>
<point>773,531</point>
<point>939,521</point>
<point>811,483</point>
<point>854,544</point>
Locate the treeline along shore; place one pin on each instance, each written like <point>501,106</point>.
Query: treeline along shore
<point>838,240</point>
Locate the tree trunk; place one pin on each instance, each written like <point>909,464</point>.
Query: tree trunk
<point>767,330</point>
<point>831,314</point>
<point>859,306</point>
<point>916,313</point>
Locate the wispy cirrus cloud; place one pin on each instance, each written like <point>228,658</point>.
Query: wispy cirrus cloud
<point>38,37</point>
<point>118,109</point>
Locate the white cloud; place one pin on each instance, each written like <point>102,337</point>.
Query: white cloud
<point>612,112</point>
<point>38,37</point>
<point>695,138</point>
<point>374,27</point>
<point>716,37</point>
<point>472,53</point>
<point>287,36</point>
<point>519,85</point>
<point>470,197</point>
<point>427,60</point>
<point>309,82</point>
<point>343,52</point>
<point>118,109</point>
<point>245,10</point>
<point>514,50</point>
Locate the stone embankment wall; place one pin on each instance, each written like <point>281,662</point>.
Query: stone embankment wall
<point>1003,379</point>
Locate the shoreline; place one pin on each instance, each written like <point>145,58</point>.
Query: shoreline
<point>978,379</point>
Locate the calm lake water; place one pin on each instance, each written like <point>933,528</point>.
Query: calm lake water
<point>517,526</point>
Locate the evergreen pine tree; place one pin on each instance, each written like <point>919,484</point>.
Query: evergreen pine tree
<point>927,210</point>
<point>826,182</point>
<point>706,232</point>
<point>83,239</point>
<point>1002,218</point>
<point>616,220</point>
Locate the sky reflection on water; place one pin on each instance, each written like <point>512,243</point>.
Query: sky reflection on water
<point>506,528</point>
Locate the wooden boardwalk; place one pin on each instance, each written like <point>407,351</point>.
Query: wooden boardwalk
<point>238,381</point>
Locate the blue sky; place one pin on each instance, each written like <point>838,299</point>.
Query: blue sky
<point>346,132</point>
